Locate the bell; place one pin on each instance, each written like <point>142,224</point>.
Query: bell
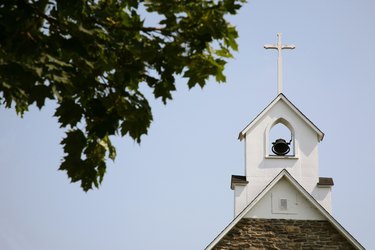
<point>280,147</point>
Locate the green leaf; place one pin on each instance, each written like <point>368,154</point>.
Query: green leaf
<point>39,93</point>
<point>230,40</point>
<point>74,143</point>
<point>92,57</point>
<point>68,112</point>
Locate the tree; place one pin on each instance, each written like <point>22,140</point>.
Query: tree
<point>93,56</point>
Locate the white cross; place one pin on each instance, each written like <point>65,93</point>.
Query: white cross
<point>279,48</point>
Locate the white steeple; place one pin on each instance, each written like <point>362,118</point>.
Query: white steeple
<point>281,194</point>
<point>269,151</point>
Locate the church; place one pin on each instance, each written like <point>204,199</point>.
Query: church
<point>281,202</point>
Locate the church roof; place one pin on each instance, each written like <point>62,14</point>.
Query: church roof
<point>281,97</point>
<point>285,174</point>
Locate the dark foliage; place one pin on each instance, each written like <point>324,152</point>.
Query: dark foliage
<point>92,57</point>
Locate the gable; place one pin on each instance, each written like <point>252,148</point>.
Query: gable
<point>281,100</point>
<point>283,201</point>
<point>350,241</point>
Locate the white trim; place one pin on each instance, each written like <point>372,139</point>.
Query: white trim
<point>282,97</point>
<point>286,157</point>
<point>267,146</point>
<point>285,174</point>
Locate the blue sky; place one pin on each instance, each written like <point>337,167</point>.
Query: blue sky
<point>172,191</point>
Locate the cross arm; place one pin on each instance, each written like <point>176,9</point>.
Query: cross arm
<point>288,47</point>
<point>270,46</point>
<point>279,47</point>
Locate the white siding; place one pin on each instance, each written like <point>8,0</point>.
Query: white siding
<point>297,208</point>
<point>261,167</point>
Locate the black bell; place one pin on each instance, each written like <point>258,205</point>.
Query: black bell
<point>280,147</point>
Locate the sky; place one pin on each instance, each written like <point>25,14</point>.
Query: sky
<point>173,190</point>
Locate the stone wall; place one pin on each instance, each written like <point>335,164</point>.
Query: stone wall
<point>283,234</point>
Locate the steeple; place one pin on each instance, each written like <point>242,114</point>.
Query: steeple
<point>280,138</point>
<point>281,199</point>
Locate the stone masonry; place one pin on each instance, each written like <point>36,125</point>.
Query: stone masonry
<point>256,234</point>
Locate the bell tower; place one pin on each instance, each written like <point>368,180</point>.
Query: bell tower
<point>280,138</point>
<point>281,202</point>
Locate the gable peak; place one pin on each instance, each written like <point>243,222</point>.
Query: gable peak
<point>281,98</point>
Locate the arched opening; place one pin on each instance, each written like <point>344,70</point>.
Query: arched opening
<point>281,140</point>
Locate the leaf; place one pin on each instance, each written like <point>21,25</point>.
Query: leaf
<point>223,52</point>
<point>107,144</point>
<point>39,93</point>
<point>92,57</point>
<point>230,40</point>
<point>74,143</point>
<point>101,171</point>
<point>68,112</point>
